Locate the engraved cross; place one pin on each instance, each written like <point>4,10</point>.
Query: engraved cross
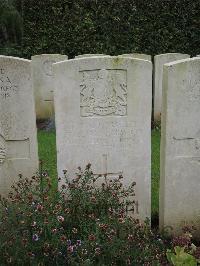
<point>105,169</point>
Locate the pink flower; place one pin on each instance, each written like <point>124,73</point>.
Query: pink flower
<point>35,237</point>
<point>60,219</point>
<point>70,249</point>
<point>39,207</point>
<point>33,224</point>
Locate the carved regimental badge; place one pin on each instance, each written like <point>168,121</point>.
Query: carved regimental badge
<point>2,150</point>
<point>103,92</point>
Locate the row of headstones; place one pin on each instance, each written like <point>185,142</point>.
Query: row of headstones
<point>43,79</point>
<point>103,116</point>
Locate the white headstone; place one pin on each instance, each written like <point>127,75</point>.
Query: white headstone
<point>103,116</point>
<point>139,56</point>
<point>159,61</point>
<point>18,136</point>
<point>43,83</point>
<point>88,55</point>
<point>180,145</point>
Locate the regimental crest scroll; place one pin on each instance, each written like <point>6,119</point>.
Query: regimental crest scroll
<point>103,92</point>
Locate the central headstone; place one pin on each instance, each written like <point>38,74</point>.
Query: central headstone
<point>18,139</point>
<point>103,116</point>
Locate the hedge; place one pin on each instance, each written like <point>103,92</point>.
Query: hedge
<point>112,27</point>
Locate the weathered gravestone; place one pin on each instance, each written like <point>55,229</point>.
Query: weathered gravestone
<point>103,116</point>
<point>159,61</point>
<point>18,139</point>
<point>89,55</point>
<point>139,56</point>
<point>43,83</point>
<point>180,145</point>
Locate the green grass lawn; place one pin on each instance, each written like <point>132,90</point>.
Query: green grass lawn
<point>47,153</point>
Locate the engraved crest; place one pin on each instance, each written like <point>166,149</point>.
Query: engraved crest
<point>103,92</point>
<point>2,150</point>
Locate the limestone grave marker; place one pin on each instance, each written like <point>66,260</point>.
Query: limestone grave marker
<point>180,145</point>
<point>103,116</point>
<point>159,61</point>
<point>18,139</point>
<point>43,83</point>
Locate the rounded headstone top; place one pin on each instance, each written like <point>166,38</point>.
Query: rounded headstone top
<point>49,55</point>
<point>14,58</point>
<point>172,54</point>
<point>137,56</point>
<point>89,55</point>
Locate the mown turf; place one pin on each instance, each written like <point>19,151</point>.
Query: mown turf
<point>155,171</point>
<point>47,153</point>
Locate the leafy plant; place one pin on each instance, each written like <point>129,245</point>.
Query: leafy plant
<point>87,222</point>
<point>181,257</point>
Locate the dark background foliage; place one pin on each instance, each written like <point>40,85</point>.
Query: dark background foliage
<point>112,27</point>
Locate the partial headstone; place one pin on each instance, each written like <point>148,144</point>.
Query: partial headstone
<point>136,55</point>
<point>18,135</point>
<point>103,116</point>
<point>88,55</point>
<point>159,61</point>
<point>180,145</point>
<point>43,83</point>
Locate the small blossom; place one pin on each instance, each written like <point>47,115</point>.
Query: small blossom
<point>130,237</point>
<point>92,237</point>
<point>97,251</point>
<point>84,251</point>
<point>63,238</point>
<point>33,224</point>
<point>70,249</point>
<point>74,230</point>
<point>69,242</point>
<point>67,210</point>
<point>60,218</point>
<point>54,230</point>
<point>35,237</point>
<point>121,220</point>
<point>31,254</point>
<point>91,216</point>
<point>93,199</point>
<point>78,242</point>
<point>39,207</point>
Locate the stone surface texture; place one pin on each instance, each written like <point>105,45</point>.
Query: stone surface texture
<point>88,55</point>
<point>139,56</point>
<point>43,83</point>
<point>18,135</point>
<point>180,145</point>
<point>159,61</point>
<point>103,116</point>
